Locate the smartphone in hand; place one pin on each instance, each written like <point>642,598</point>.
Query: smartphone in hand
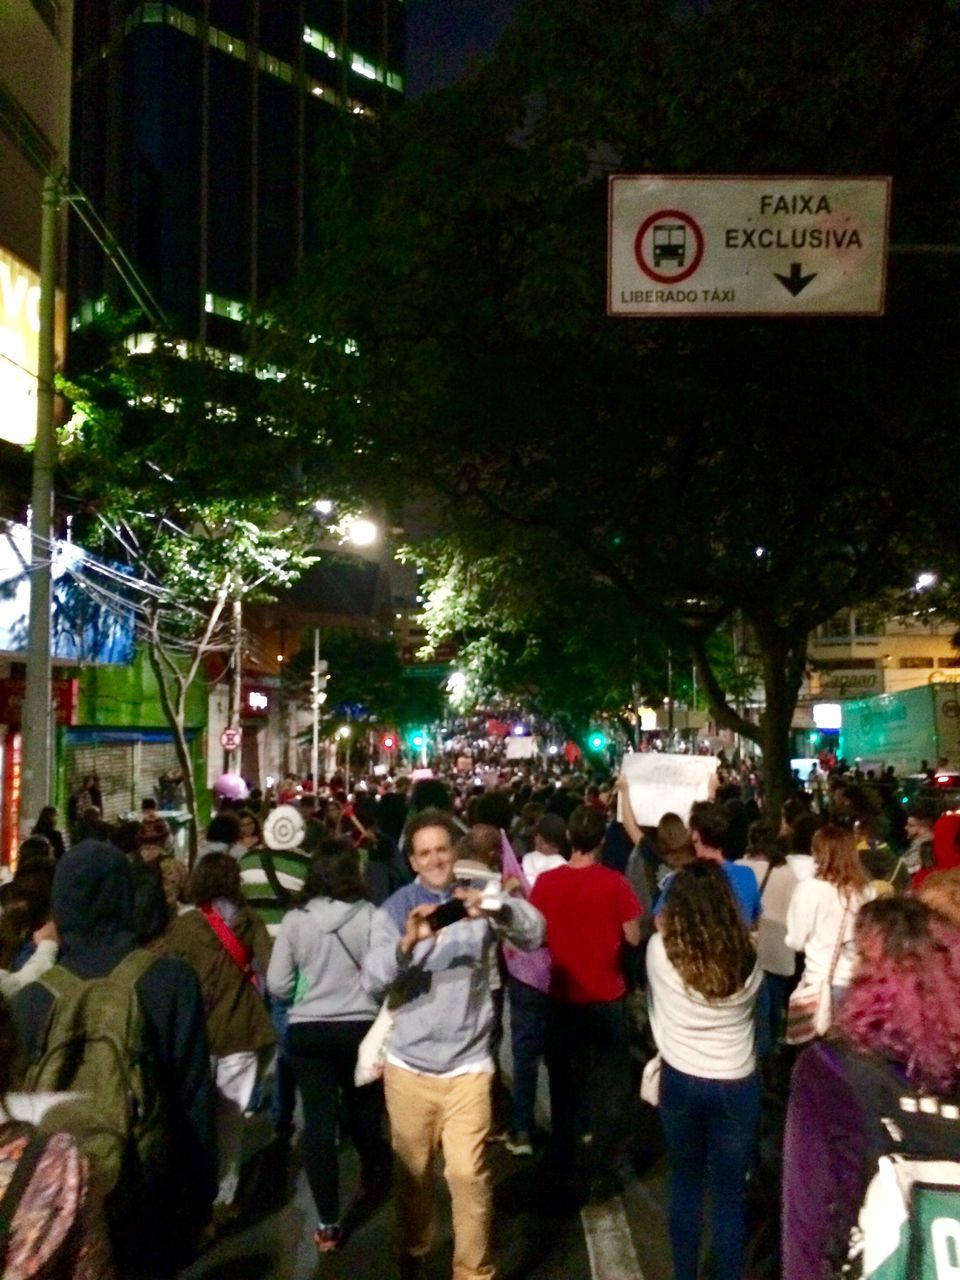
<point>447,913</point>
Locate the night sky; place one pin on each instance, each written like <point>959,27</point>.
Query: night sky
<point>444,36</point>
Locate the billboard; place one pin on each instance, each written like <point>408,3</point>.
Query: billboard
<point>19,342</point>
<point>19,347</point>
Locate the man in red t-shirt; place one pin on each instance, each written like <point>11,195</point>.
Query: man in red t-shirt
<point>590,911</point>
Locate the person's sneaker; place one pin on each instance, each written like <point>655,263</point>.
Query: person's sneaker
<point>519,1144</point>
<point>327,1238</point>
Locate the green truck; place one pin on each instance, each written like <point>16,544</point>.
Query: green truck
<point>904,729</point>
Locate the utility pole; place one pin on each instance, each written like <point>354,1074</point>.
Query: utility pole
<point>235,694</point>
<point>37,741</point>
<point>37,706</point>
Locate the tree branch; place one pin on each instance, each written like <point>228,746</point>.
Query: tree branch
<point>723,713</point>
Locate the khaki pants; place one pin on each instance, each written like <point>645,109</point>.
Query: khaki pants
<point>427,1115</point>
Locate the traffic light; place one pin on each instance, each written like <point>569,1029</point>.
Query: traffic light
<point>416,738</point>
<point>388,742</point>
<point>597,740</point>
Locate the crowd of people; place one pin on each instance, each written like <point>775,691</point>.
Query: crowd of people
<point>743,972</point>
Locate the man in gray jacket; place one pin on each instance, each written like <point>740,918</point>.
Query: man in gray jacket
<point>439,1065</point>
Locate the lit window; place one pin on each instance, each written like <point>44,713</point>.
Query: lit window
<point>228,308</point>
<point>321,42</point>
<point>395,81</point>
<point>364,68</point>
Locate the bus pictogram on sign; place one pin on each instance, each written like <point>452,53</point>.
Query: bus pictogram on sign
<point>669,246</point>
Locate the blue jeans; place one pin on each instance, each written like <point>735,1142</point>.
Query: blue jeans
<point>710,1128</point>
<point>284,1091</point>
<point>528,1037</point>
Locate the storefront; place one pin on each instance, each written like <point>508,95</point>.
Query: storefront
<point>65,698</point>
<point>122,736</point>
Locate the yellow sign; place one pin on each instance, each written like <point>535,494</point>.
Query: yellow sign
<point>19,341</point>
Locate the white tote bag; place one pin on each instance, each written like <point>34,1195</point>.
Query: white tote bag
<point>372,1053</point>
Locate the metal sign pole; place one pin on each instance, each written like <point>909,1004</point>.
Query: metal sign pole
<point>37,695</point>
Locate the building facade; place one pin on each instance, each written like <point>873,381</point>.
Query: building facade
<point>35,62</point>
<point>198,130</point>
<point>860,652</point>
<point>35,76</point>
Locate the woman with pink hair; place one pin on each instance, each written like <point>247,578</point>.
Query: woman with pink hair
<point>899,1024</point>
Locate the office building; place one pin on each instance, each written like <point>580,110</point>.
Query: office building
<point>197,135</point>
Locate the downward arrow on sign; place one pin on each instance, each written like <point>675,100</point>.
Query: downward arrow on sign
<point>795,283</point>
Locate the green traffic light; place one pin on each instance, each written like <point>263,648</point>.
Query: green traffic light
<point>416,738</point>
<point>597,741</point>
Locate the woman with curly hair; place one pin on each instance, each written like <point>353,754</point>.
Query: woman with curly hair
<point>898,1032</point>
<point>704,979</point>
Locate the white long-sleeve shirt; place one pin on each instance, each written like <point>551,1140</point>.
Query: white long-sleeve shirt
<point>813,923</point>
<point>713,1039</point>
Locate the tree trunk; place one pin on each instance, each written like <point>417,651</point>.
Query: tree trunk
<point>783,656</point>
<point>727,717</point>
<point>175,712</point>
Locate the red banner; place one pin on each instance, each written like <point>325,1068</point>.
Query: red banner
<point>65,694</point>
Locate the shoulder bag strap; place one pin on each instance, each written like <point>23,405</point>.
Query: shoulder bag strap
<point>336,934</point>
<point>282,895</point>
<point>763,882</point>
<point>838,947</point>
<point>234,948</point>
<point>26,1166</point>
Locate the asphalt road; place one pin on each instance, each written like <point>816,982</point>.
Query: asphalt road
<point>534,1239</point>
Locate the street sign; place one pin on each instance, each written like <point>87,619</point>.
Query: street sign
<point>746,245</point>
<point>231,738</point>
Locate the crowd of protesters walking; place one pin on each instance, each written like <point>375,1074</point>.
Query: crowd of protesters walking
<point>734,987</point>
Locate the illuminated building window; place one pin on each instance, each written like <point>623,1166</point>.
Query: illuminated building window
<point>321,42</point>
<point>364,68</point>
<point>158,14</point>
<point>228,308</point>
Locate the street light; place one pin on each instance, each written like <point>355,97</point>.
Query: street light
<point>361,532</point>
<point>925,580</point>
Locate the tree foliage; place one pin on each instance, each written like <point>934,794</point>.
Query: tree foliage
<point>168,485</point>
<point>702,470</point>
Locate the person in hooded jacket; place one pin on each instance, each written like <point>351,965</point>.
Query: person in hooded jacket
<point>227,945</point>
<point>93,908</point>
<point>316,962</point>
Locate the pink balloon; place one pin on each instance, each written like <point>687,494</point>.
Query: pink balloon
<point>231,786</point>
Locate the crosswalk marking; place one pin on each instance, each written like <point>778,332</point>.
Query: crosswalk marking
<point>609,1242</point>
